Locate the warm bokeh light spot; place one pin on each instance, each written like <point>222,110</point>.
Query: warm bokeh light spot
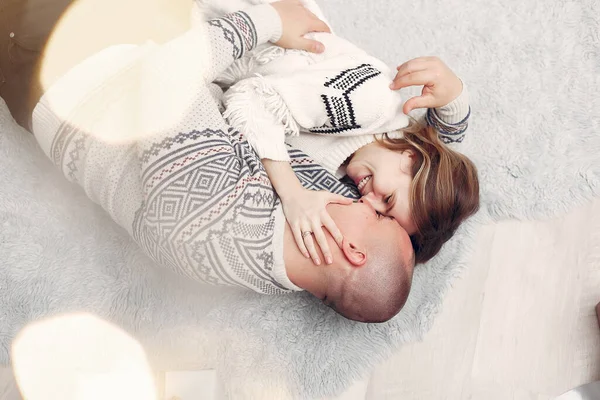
<point>80,357</point>
<point>129,68</point>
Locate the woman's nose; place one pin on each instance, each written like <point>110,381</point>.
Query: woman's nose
<point>380,186</point>
<point>375,197</point>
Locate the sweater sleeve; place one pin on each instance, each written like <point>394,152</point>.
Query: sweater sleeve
<point>172,74</point>
<point>452,120</point>
<point>250,107</point>
<point>231,36</point>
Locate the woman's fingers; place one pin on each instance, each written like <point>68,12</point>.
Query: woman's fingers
<point>307,236</point>
<point>310,45</point>
<point>418,71</point>
<point>417,64</point>
<point>322,241</point>
<point>409,67</point>
<point>441,85</point>
<point>424,101</point>
<point>330,225</point>
<point>307,217</point>
<point>319,25</point>
<point>297,232</point>
<point>297,21</point>
<point>339,199</point>
<point>420,78</point>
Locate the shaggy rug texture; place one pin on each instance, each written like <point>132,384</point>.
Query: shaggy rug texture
<point>533,71</point>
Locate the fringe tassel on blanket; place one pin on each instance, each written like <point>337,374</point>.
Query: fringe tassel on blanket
<point>244,67</point>
<point>242,97</point>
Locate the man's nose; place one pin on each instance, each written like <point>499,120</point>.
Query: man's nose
<point>374,201</point>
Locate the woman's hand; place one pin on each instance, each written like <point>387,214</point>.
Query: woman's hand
<point>305,212</point>
<point>297,21</point>
<point>440,84</point>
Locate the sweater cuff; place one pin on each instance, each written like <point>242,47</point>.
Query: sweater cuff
<point>266,21</point>
<point>457,110</point>
<point>275,150</point>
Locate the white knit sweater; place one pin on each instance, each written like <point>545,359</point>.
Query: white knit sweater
<point>278,96</point>
<point>332,151</point>
<point>340,100</point>
<point>274,94</point>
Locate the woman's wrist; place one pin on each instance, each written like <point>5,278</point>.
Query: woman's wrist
<point>289,189</point>
<point>282,176</point>
<point>457,109</point>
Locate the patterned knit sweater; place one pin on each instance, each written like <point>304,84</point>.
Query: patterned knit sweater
<point>139,129</point>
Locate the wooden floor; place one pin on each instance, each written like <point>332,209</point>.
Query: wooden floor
<point>519,324</point>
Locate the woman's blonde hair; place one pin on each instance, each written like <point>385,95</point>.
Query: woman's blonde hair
<point>444,189</point>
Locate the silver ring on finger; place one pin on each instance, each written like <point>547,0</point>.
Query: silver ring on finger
<point>306,233</point>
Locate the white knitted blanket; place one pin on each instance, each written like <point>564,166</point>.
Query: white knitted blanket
<point>534,74</point>
<point>343,91</point>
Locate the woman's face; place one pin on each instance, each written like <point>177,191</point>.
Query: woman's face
<point>383,177</point>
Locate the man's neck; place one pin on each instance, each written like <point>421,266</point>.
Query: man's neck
<point>295,263</point>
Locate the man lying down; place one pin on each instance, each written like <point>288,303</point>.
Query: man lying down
<point>191,190</point>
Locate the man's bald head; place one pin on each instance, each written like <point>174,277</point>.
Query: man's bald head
<point>371,274</point>
<point>378,290</point>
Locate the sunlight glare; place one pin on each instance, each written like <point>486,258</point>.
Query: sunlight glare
<point>80,357</point>
<point>143,83</point>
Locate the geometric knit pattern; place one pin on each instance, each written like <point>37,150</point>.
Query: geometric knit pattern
<point>208,212</point>
<point>314,177</point>
<point>58,151</point>
<point>339,108</point>
<point>209,208</point>
<point>238,29</point>
<point>448,133</point>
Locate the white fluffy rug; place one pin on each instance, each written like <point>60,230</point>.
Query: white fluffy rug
<point>533,69</point>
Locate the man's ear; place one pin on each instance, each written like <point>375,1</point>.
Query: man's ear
<point>356,255</point>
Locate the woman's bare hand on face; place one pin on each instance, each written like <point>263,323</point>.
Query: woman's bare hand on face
<point>306,213</point>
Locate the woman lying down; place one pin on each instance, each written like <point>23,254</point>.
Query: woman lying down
<point>191,191</point>
<point>341,107</point>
